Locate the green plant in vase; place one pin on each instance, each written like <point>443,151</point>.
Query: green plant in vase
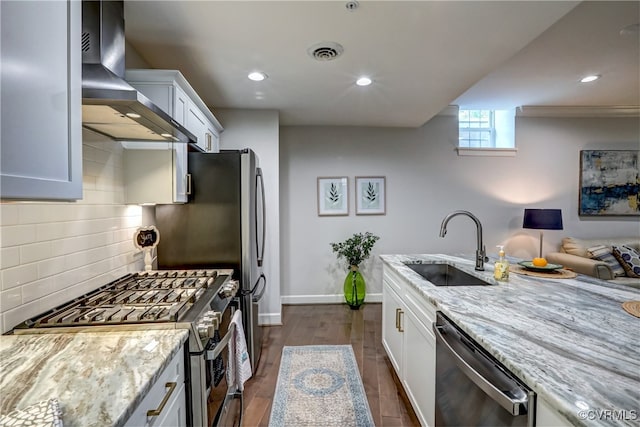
<point>355,250</point>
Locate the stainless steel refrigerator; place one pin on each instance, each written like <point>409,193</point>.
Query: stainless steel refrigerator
<point>221,226</point>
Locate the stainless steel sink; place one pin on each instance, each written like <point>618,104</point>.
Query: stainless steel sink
<point>446,275</point>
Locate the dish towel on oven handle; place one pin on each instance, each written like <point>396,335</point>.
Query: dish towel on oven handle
<point>239,371</point>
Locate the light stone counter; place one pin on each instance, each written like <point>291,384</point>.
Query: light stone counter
<point>567,339</point>
<point>99,378</point>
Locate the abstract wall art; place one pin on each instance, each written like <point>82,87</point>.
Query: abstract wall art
<point>609,182</point>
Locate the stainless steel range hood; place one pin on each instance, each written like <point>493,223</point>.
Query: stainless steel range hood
<point>110,105</point>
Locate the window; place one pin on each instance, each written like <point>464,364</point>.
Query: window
<point>486,132</point>
<point>476,128</point>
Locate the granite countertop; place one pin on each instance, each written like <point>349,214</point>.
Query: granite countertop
<point>567,339</point>
<point>99,378</point>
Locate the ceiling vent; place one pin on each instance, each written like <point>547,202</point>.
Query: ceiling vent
<point>325,51</point>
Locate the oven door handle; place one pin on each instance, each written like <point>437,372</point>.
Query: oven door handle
<point>513,406</point>
<point>215,352</point>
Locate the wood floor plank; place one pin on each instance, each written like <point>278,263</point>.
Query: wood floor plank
<point>255,411</point>
<point>330,324</point>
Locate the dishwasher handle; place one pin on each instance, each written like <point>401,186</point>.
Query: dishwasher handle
<point>513,406</point>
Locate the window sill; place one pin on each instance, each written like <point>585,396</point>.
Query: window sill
<point>491,152</point>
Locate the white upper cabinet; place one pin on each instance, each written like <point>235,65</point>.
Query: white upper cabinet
<point>41,137</point>
<point>156,173</point>
<point>171,91</point>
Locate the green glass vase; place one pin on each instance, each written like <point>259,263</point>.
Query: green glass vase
<point>354,288</point>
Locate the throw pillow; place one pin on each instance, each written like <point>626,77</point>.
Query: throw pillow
<point>603,253</point>
<point>574,246</point>
<point>629,258</point>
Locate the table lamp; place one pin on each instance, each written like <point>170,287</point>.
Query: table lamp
<point>542,219</point>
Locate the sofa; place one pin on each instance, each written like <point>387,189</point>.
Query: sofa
<point>596,258</point>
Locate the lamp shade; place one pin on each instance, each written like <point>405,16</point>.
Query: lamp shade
<point>542,219</point>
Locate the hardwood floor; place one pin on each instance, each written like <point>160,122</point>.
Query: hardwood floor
<point>330,324</point>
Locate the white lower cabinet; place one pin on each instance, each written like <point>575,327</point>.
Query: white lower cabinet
<point>392,310</point>
<point>420,368</point>
<point>166,402</point>
<point>410,344</point>
<point>546,416</point>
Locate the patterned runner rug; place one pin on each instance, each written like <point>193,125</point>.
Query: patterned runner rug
<point>319,386</point>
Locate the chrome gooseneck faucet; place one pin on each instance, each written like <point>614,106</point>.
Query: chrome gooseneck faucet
<point>480,251</point>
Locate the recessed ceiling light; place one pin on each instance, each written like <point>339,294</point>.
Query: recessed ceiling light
<point>166,135</point>
<point>364,81</point>
<point>587,79</point>
<point>257,76</point>
<point>133,115</point>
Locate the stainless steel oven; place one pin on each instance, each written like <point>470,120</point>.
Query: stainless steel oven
<point>222,402</point>
<point>201,301</point>
<point>474,389</point>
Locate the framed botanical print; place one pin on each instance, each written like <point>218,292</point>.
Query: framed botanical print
<point>370,195</point>
<point>333,196</point>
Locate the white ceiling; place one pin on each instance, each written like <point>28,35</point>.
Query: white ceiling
<point>421,55</point>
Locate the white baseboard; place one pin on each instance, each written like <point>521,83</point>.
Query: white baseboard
<point>324,299</point>
<point>275,319</point>
<point>270,319</point>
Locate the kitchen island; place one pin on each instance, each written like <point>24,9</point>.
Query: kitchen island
<point>569,340</point>
<point>99,378</point>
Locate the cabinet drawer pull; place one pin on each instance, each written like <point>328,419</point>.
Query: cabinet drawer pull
<point>400,328</point>
<point>188,184</point>
<point>398,318</point>
<point>155,412</point>
<point>208,141</point>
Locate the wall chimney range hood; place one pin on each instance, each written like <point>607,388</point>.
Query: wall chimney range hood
<point>110,105</point>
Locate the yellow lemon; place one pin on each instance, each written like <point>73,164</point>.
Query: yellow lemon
<point>539,262</point>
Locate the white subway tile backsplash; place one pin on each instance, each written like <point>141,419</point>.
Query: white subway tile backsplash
<point>51,267</point>
<point>89,182</point>
<point>36,252</point>
<point>38,289</point>
<point>9,257</point>
<point>99,197</point>
<point>92,168</point>
<point>55,251</point>
<point>10,299</point>
<point>13,317</point>
<point>17,276</point>
<point>9,214</point>
<point>15,235</point>
<point>37,213</point>
<point>79,259</point>
<point>84,273</point>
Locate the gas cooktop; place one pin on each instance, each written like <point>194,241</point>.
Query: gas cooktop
<point>150,296</point>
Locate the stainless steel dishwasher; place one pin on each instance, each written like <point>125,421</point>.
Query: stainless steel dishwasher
<point>472,387</point>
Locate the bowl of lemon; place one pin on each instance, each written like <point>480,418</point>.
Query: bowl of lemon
<point>540,265</point>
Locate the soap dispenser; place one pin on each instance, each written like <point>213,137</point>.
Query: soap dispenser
<point>501,269</point>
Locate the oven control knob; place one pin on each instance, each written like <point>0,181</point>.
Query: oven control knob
<point>229,289</point>
<point>206,331</point>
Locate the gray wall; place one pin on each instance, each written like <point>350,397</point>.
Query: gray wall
<point>258,130</point>
<point>426,179</point>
